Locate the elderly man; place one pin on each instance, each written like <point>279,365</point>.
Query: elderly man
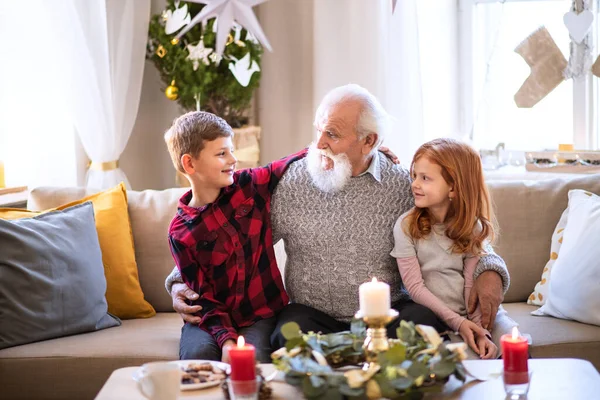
<point>335,211</point>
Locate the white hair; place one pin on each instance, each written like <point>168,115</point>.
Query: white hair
<point>373,117</point>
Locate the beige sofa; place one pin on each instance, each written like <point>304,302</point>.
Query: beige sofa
<point>76,367</point>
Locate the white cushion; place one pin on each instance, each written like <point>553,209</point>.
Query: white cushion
<point>540,292</point>
<point>574,291</point>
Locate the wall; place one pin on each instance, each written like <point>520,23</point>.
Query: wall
<point>285,96</point>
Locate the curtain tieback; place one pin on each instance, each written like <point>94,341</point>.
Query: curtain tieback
<point>103,166</point>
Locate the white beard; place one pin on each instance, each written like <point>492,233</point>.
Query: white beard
<point>331,180</point>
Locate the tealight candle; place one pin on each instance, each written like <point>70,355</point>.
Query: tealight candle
<point>374,298</point>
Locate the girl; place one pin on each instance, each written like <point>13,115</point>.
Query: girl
<point>439,241</point>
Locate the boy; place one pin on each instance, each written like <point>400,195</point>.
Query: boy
<point>221,237</point>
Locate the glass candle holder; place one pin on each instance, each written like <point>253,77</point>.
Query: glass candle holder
<point>244,390</point>
<point>515,354</point>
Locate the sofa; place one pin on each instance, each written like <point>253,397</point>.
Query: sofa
<point>75,367</point>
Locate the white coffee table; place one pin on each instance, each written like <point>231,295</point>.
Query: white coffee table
<point>558,378</point>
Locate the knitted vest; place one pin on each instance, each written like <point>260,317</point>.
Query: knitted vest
<point>336,241</point>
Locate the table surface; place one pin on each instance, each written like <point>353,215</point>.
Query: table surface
<point>558,378</point>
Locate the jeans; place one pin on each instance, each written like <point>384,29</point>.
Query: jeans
<point>197,344</point>
<point>311,319</point>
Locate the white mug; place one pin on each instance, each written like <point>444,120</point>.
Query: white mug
<point>159,380</point>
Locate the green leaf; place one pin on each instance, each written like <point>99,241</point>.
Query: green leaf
<point>443,369</point>
<point>396,354</point>
<point>316,381</point>
<point>460,372</point>
<point>311,391</point>
<point>291,330</point>
<point>411,396</point>
<point>313,343</point>
<point>402,382</point>
<point>295,342</point>
<point>298,364</point>
<point>417,369</point>
<point>387,389</point>
<point>437,388</point>
<point>405,333</point>
<point>293,379</point>
<point>358,328</point>
<point>348,391</point>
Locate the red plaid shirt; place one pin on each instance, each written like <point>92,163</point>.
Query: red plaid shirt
<point>224,252</point>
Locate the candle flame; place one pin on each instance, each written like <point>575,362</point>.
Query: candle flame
<point>241,341</point>
<point>515,333</point>
<point>374,279</point>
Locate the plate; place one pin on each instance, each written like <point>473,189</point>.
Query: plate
<point>184,364</point>
<point>194,386</point>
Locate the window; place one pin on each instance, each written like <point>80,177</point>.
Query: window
<point>492,72</point>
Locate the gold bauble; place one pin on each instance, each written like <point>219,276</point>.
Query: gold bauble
<point>161,51</point>
<point>174,41</point>
<point>172,91</point>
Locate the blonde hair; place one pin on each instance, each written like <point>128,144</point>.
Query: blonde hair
<point>461,168</point>
<point>189,132</point>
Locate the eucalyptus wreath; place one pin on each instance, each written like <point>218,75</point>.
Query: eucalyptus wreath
<point>419,361</point>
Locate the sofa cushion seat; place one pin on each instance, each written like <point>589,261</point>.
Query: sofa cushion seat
<point>554,337</point>
<point>87,359</point>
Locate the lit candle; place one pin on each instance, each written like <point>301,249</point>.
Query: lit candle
<point>515,354</point>
<point>374,298</point>
<point>243,361</point>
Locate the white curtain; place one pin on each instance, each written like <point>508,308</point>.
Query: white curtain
<point>106,57</point>
<point>362,42</point>
<point>37,140</point>
<point>70,66</point>
<point>407,59</point>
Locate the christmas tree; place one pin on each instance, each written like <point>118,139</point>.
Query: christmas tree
<point>194,74</point>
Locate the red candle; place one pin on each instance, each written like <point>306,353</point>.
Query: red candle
<point>515,354</point>
<point>243,361</point>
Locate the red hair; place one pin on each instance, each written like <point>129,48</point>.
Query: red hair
<point>461,169</point>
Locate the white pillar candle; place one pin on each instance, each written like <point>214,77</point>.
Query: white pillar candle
<point>374,298</point>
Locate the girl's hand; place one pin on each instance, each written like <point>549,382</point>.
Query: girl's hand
<point>470,331</point>
<point>225,350</point>
<point>487,348</point>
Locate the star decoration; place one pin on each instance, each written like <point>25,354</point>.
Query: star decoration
<point>216,58</point>
<point>199,53</point>
<point>228,11</point>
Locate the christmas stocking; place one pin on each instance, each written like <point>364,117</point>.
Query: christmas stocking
<point>547,64</point>
<point>596,67</point>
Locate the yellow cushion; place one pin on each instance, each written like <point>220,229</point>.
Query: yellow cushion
<point>123,291</point>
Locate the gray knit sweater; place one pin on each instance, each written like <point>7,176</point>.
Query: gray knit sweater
<point>336,241</point>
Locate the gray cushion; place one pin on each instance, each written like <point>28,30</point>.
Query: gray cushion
<point>150,212</point>
<point>52,277</point>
